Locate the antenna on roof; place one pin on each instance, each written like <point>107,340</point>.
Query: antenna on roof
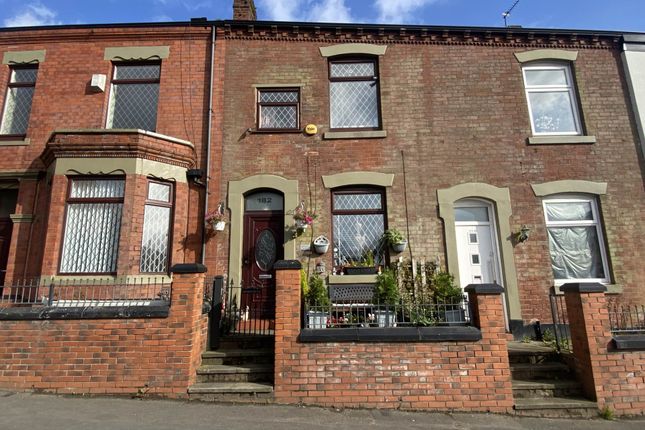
<point>508,12</point>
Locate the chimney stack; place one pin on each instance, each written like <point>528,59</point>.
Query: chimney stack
<point>244,10</point>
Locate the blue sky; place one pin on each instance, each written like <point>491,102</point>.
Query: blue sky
<point>626,15</point>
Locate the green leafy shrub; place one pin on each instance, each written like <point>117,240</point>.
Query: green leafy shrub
<point>386,290</point>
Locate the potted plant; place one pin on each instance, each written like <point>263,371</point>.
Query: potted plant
<point>395,240</point>
<point>321,244</point>
<point>386,295</point>
<point>215,219</point>
<point>449,297</point>
<point>365,266</point>
<point>317,301</point>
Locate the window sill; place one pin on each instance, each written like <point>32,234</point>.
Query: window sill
<point>611,288</point>
<point>15,142</point>
<point>370,134</point>
<point>276,131</point>
<point>561,140</point>
<point>351,279</point>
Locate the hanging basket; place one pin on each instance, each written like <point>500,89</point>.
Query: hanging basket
<point>321,244</point>
<point>399,247</point>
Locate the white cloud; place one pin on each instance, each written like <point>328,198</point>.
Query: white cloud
<point>32,15</point>
<point>305,10</point>
<point>399,11</point>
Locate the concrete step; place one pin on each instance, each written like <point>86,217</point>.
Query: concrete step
<point>540,371</point>
<point>238,356</point>
<point>546,388</point>
<point>233,392</point>
<point>246,342</point>
<point>531,352</point>
<point>238,373</point>
<point>556,407</point>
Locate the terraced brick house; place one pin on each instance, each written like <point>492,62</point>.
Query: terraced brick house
<point>508,158</point>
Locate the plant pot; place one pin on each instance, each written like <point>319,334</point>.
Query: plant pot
<point>455,316</point>
<point>317,320</point>
<point>399,247</point>
<point>385,318</point>
<point>360,270</point>
<point>321,249</point>
<point>220,225</point>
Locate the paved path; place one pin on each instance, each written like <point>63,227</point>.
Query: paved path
<point>22,411</point>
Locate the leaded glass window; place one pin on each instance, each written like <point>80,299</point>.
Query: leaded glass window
<point>134,96</point>
<point>92,225</point>
<point>551,97</point>
<point>155,242</point>
<point>278,109</point>
<point>575,239</point>
<point>354,94</point>
<point>17,107</point>
<point>358,217</point>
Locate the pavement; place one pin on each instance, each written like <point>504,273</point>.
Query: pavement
<point>22,411</point>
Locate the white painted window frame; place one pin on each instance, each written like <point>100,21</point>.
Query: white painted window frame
<point>569,88</point>
<point>577,198</point>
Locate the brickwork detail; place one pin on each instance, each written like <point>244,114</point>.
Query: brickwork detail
<point>616,379</point>
<point>157,357</point>
<point>471,376</point>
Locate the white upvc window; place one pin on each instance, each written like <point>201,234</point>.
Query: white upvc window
<point>551,97</point>
<point>576,243</point>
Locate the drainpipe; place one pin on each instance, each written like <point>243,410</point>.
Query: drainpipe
<point>208,138</point>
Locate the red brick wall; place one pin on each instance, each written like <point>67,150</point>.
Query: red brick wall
<point>157,356</point>
<point>615,378</point>
<point>459,113</point>
<point>472,376</point>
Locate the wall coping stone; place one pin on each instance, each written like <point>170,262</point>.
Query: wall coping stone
<point>583,287</point>
<point>95,313</point>
<point>188,268</point>
<point>287,265</point>
<point>484,288</point>
<point>392,334</point>
<point>629,341</point>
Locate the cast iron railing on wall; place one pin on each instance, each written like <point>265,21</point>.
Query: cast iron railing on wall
<point>560,318</point>
<point>626,319</point>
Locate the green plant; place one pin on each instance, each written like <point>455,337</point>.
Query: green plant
<point>526,338</point>
<point>392,237</point>
<point>386,290</point>
<point>444,288</point>
<point>317,294</point>
<point>304,284</point>
<point>366,261</point>
<point>606,413</point>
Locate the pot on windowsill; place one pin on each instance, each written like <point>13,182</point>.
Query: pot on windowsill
<point>360,270</point>
<point>317,319</point>
<point>385,317</point>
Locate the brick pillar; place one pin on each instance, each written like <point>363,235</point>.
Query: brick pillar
<point>590,333</point>
<point>487,308</point>
<point>187,320</point>
<point>287,323</point>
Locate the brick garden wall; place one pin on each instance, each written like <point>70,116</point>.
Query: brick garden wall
<point>472,376</point>
<point>616,379</point>
<point>110,356</point>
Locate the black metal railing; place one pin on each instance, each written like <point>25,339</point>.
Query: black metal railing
<point>95,292</point>
<point>371,313</point>
<point>626,319</point>
<point>240,310</point>
<point>561,331</point>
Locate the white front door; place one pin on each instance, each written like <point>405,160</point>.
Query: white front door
<point>477,250</point>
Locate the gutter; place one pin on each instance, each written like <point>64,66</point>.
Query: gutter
<point>208,139</point>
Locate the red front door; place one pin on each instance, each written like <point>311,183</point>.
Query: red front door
<point>263,246</point>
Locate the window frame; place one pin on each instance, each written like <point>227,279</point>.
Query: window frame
<point>113,82</point>
<point>361,189</point>
<point>352,59</point>
<point>260,105</point>
<point>11,85</point>
<point>595,222</point>
<point>169,204</point>
<point>571,89</point>
<point>91,200</point>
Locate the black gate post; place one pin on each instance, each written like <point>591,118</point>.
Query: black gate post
<point>216,313</point>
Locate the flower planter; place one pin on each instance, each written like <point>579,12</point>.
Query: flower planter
<point>455,316</point>
<point>360,270</point>
<point>321,244</point>
<point>385,318</point>
<point>399,247</point>
<point>317,320</point>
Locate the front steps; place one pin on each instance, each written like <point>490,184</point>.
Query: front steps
<point>543,386</point>
<point>241,370</point>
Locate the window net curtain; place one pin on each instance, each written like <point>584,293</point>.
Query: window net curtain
<point>92,230</point>
<point>575,250</point>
